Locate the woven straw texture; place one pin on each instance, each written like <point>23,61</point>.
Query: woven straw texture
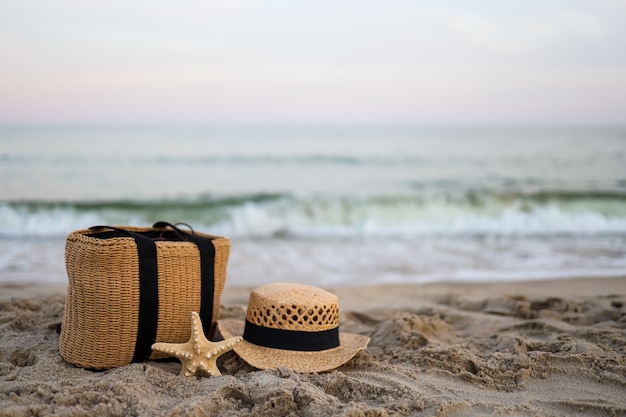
<point>99,328</point>
<point>293,307</point>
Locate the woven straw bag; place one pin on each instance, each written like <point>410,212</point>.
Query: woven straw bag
<point>130,287</point>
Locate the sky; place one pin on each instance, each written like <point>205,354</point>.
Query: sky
<point>322,62</point>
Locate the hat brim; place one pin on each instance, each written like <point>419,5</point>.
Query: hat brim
<point>262,357</point>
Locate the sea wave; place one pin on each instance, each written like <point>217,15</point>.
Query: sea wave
<point>269,215</point>
<point>160,160</point>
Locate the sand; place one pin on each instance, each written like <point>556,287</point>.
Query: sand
<point>554,348</point>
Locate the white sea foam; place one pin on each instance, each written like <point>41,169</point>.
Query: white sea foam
<point>330,217</point>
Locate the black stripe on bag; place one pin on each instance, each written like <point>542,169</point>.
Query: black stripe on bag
<point>207,274</point>
<point>207,282</point>
<point>148,293</point>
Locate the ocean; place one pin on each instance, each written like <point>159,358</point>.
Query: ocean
<point>327,205</point>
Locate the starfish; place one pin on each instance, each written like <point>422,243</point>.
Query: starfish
<point>198,355</point>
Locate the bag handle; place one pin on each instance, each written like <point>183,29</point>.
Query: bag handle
<point>148,292</point>
<point>181,233</point>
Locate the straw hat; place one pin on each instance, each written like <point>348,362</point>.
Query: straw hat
<point>292,325</point>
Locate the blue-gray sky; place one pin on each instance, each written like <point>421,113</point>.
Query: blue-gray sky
<point>239,61</point>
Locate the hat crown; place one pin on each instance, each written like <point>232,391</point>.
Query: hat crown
<point>293,307</point>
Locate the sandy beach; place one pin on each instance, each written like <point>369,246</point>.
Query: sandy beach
<point>542,348</point>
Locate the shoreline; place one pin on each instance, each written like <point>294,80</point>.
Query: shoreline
<point>401,294</point>
<point>534,348</point>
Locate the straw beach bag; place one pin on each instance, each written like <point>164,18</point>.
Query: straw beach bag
<point>130,287</point>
